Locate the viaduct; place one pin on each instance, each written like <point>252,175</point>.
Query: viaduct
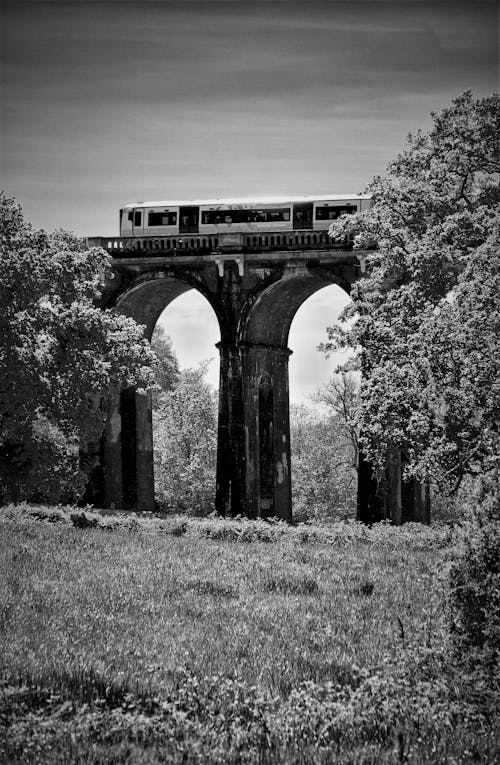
<point>255,285</point>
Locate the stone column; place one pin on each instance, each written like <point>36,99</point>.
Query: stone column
<point>112,453</point>
<point>267,431</point>
<point>422,502</point>
<point>415,500</point>
<point>145,492</point>
<point>393,499</point>
<point>128,452</point>
<point>230,484</point>
<point>369,501</point>
<point>393,484</point>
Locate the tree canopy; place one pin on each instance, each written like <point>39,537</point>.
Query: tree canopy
<point>426,316</point>
<point>59,353</point>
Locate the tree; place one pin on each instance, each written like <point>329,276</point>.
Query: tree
<point>59,356</point>
<point>167,368</point>
<point>185,436</point>
<point>323,469</point>
<point>340,396</point>
<point>426,317</point>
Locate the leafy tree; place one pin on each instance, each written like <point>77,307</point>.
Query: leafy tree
<point>427,321</point>
<point>323,468</point>
<point>185,439</point>
<point>474,597</point>
<point>340,396</point>
<point>427,315</point>
<point>59,355</point>
<point>167,368</point>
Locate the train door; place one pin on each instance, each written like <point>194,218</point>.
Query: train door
<point>303,215</point>
<point>137,222</point>
<point>189,220</point>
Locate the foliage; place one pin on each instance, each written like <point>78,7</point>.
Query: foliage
<point>384,536</point>
<point>474,597</point>
<point>427,314</point>
<point>185,435</point>
<point>323,474</point>
<point>167,368</point>
<point>59,353</point>
<point>340,396</point>
<point>133,647</point>
<point>54,473</point>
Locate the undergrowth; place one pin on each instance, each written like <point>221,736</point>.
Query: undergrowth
<point>414,535</point>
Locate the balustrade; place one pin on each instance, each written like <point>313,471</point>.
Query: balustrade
<point>120,247</point>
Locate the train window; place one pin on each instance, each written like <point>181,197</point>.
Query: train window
<point>162,219</point>
<point>272,215</point>
<point>263,215</point>
<point>137,217</point>
<point>331,212</point>
<point>130,215</point>
<point>216,217</point>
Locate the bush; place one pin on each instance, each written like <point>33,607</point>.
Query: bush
<point>474,598</point>
<point>45,469</point>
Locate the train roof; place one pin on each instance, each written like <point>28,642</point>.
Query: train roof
<point>246,200</point>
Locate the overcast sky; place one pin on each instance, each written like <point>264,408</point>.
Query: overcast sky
<point>109,102</point>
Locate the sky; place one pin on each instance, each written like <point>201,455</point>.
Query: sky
<point>103,103</point>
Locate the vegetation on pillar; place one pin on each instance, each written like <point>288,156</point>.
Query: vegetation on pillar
<point>59,356</point>
<point>427,314</point>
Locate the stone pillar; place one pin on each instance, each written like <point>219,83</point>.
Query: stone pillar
<point>145,492</point>
<point>415,500</point>
<point>230,486</point>
<point>128,452</point>
<point>422,502</point>
<point>92,465</point>
<point>112,453</point>
<point>223,471</point>
<point>370,505</point>
<point>267,431</point>
<point>393,499</point>
<point>393,484</point>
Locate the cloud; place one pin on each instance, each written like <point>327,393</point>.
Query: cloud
<point>107,102</point>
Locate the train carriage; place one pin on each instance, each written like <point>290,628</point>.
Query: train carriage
<point>225,216</point>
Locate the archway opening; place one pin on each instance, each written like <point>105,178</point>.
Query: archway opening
<point>265,336</point>
<point>323,432</point>
<point>186,406</point>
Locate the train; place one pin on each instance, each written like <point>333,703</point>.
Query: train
<point>225,216</point>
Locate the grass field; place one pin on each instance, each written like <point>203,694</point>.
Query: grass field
<point>150,640</point>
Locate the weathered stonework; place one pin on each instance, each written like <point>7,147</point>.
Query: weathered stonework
<point>255,297</point>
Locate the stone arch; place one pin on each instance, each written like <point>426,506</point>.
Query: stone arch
<point>263,338</point>
<point>146,298</point>
<point>128,441</point>
<point>269,315</point>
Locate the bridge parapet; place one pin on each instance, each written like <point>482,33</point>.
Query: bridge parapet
<point>123,247</point>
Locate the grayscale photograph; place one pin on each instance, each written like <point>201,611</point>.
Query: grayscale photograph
<point>249,382</point>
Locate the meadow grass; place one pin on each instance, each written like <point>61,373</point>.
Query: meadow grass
<point>225,630</point>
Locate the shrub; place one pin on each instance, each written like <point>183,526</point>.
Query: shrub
<point>474,597</point>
